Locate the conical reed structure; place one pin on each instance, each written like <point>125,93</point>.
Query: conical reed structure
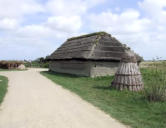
<point>128,75</point>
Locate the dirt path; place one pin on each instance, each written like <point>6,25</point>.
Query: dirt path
<point>33,101</point>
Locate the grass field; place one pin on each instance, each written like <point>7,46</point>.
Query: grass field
<point>128,107</point>
<point>159,64</point>
<point>3,87</point>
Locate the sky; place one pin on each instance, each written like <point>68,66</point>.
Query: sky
<point>35,28</point>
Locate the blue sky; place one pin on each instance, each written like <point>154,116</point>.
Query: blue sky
<point>33,28</point>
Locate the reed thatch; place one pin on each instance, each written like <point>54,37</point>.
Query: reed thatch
<point>128,75</point>
<point>94,46</point>
<point>10,64</point>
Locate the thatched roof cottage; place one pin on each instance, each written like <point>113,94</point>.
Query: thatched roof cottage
<point>96,54</point>
<point>10,64</point>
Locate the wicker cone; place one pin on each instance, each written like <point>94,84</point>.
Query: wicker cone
<point>128,75</point>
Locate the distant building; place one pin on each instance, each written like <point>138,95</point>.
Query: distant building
<point>10,64</point>
<point>96,54</point>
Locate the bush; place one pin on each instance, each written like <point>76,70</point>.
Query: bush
<point>38,63</point>
<point>45,65</point>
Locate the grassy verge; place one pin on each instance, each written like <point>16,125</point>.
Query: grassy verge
<point>13,69</point>
<point>3,87</point>
<point>128,107</point>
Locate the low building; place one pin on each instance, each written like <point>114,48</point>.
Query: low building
<point>10,64</point>
<point>96,54</point>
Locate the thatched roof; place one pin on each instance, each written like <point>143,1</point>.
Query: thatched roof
<point>4,62</point>
<point>10,64</point>
<point>94,46</point>
<point>129,57</point>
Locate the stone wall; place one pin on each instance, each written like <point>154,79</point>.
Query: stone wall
<point>84,68</point>
<point>103,68</point>
<point>80,68</point>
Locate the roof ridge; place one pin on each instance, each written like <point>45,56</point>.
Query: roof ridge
<point>88,35</point>
<point>97,40</point>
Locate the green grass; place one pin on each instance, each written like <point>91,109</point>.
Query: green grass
<point>155,81</point>
<point>3,87</point>
<point>128,107</point>
<point>12,69</point>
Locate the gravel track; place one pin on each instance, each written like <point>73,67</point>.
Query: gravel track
<point>34,101</point>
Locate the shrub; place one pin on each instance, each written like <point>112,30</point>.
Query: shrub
<point>45,65</point>
<point>38,63</point>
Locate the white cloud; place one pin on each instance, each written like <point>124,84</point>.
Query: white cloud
<point>33,28</point>
<point>144,33</point>
<point>13,13</point>
<point>127,22</point>
<point>66,7</point>
<point>18,8</point>
<point>69,24</point>
<point>154,9</point>
<point>71,7</point>
<point>28,42</point>
<point>34,31</point>
<point>8,23</point>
